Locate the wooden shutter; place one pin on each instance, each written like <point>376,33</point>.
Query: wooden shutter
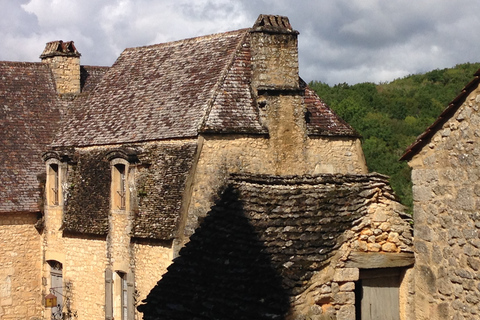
<point>108,294</point>
<point>131,295</point>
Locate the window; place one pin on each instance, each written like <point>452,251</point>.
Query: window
<point>119,186</point>
<point>56,287</point>
<point>124,296</point>
<point>53,186</point>
<point>119,291</point>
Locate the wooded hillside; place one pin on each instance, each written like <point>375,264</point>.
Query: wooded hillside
<point>390,116</point>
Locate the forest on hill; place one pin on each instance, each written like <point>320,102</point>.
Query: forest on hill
<point>389,116</point>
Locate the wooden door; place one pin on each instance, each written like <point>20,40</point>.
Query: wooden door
<point>380,295</point>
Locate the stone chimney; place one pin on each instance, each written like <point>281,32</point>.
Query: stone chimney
<point>64,61</point>
<point>276,83</point>
<point>274,54</point>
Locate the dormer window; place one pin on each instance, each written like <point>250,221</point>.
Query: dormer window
<point>119,185</point>
<point>54,184</point>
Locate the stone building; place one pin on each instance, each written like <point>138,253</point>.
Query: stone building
<point>111,171</point>
<point>446,190</point>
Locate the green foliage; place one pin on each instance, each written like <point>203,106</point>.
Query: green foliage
<point>390,116</point>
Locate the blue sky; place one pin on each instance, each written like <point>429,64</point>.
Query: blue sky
<point>340,41</point>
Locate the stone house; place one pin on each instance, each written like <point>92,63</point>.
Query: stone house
<point>111,171</point>
<point>446,190</point>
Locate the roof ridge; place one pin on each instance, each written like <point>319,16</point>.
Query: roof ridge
<point>21,63</point>
<point>220,82</point>
<point>182,41</point>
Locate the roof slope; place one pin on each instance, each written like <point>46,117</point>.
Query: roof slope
<point>29,114</point>
<point>154,92</point>
<point>449,111</point>
<point>321,120</point>
<point>260,244</point>
<point>178,89</point>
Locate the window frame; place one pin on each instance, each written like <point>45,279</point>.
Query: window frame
<point>119,191</point>
<point>56,275</point>
<point>54,183</point>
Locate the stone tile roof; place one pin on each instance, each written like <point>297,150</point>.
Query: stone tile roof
<point>154,92</point>
<point>447,113</point>
<point>90,76</point>
<point>29,114</point>
<point>156,200</point>
<point>160,189</point>
<point>260,245</point>
<point>323,121</point>
<point>178,89</point>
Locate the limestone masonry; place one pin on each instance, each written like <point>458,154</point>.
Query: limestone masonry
<point>204,179</point>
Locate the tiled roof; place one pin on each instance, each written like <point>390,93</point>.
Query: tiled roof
<point>178,89</point>
<point>448,112</point>
<point>323,121</point>
<point>234,108</point>
<point>154,92</point>
<point>260,244</point>
<point>161,188</point>
<point>90,76</point>
<point>29,114</point>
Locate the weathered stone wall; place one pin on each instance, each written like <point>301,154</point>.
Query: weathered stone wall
<point>274,60</point>
<point>66,72</point>
<point>222,155</point>
<point>446,192</point>
<point>151,262</point>
<point>385,231</point>
<point>20,262</point>
<point>84,276</point>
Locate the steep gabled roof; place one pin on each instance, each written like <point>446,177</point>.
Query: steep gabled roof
<point>177,90</point>
<point>323,121</point>
<point>261,243</point>
<point>153,92</point>
<point>29,114</point>
<point>449,111</point>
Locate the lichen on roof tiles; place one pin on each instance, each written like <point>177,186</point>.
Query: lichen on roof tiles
<point>152,93</point>
<point>29,114</point>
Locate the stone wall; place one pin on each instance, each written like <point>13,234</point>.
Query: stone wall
<point>20,261</point>
<point>151,262</point>
<point>222,155</point>
<point>66,72</point>
<point>446,192</point>
<point>381,241</point>
<point>274,59</point>
<point>84,276</point>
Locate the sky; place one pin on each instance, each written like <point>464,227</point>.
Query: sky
<point>340,41</point>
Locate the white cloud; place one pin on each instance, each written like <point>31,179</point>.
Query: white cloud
<point>340,41</point>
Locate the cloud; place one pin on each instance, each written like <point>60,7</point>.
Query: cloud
<point>340,41</point>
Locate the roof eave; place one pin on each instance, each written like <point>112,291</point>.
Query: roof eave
<point>449,111</point>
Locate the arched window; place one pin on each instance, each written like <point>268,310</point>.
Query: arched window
<point>56,287</point>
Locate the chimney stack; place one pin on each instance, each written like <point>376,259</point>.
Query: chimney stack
<point>274,54</point>
<point>276,83</point>
<point>64,61</point>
